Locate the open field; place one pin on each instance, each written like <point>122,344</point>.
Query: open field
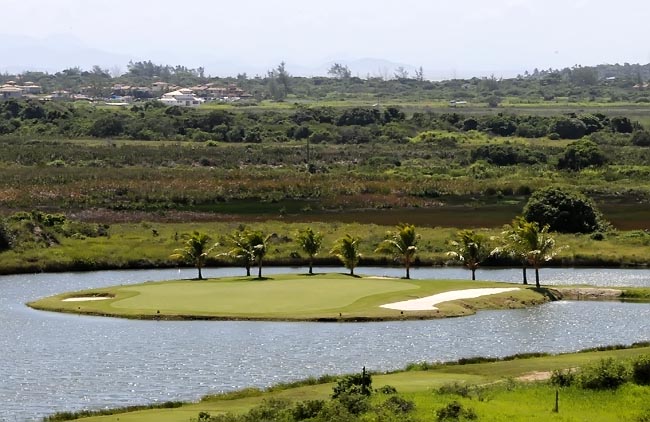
<point>493,391</point>
<point>322,297</point>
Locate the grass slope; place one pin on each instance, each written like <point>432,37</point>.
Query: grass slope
<point>283,297</point>
<point>496,397</point>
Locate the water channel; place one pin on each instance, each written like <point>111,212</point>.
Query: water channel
<point>53,362</point>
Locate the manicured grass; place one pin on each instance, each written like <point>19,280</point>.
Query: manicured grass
<point>284,297</point>
<point>496,396</point>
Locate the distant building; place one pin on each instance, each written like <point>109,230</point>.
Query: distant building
<point>183,97</point>
<point>11,90</point>
<point>159,87</point>
<point>8,92</point>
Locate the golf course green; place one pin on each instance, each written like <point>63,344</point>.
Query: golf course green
<point>321,297</point>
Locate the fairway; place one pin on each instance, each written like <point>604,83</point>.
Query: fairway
<point>328,297</point>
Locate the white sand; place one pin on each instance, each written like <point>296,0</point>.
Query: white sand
<point>86,298</point>
<point>428,303</point>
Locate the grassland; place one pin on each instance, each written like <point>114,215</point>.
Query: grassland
<point>495,391</point>
<point>322,297</point>
<point>149,244</point>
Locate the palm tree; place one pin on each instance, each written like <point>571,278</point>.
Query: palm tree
<point>514,243</point>
<point>471,249</point>
<point>402,244</point>
<point>257,245</point>
<point>241,250</point>
<point>347,250</point>
<point>195,251</point>
<point>311,243</point>
<point>539,247</point>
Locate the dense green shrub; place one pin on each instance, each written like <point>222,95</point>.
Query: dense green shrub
<point>641,370</point>
<point>603,375</point>
<point>568,128</point>
<point>454,412</point>
<point>581,154</point>
<point>355,383</point>
<point>399,405</point>
<point>641,138</point>
<point>564,211</point>
<point>563,377</point>
<point>307,409</point>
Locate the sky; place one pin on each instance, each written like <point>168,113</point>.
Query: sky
<point>456,38</point>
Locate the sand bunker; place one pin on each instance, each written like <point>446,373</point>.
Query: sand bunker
<point>86,298</point>
<point>428,303</point>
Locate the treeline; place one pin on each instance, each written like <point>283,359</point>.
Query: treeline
<point>356,125</point>
<point>603,83</point>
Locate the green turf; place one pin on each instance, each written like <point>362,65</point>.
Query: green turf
<point>498,397</point>
<point>284,297</point>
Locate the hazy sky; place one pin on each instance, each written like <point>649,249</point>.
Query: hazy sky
<point>462,36</point>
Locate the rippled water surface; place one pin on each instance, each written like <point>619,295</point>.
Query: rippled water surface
<point>52,362</point>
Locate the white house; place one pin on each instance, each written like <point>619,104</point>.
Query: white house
<point>10,91</point>
<point>183,97</point>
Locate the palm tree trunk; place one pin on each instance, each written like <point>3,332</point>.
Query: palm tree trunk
<point>537,277</point>
<point>311,264</point>
<point>248,270</point>
<point>524,274</point>
<point>259,269</point>
<point>200,275</point>
<point>408,272</point>
<point>473,274</point>
<point>352,271</point>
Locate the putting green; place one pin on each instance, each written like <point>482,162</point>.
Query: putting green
<point>282,297</point>
<point>258,297</point>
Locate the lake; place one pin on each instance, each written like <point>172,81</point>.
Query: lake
<point>53,362</point>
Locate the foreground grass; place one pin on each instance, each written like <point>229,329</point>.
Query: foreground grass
<point>497,395</point>
<point>324,297</point>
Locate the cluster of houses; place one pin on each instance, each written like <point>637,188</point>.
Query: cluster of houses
<point>13,90</point>
<point>121,94</point>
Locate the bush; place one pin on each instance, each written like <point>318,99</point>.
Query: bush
<point>604,375</point>
<point>563,377</point>
<point>641,138</point>
<point>641,370</point>
<point>387,389</point>
<point>355,384</point>
<point>568,128</point>
<point>581,154</point>
<point>397,404</point>
<point>454,411</point>
<point>564,211</point>
<point>5,237</point>
<point>307,409</point>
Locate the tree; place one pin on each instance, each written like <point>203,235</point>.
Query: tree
<point>311,243</point>
<point>347,250</point>
<point>568,128</point>
<point>401,73</point>
<point>241,250</point>
<point>257,244</point>
<point>339,71</point>
<point>564,211</point>
<point>471,249</point>
<point>402,244</point>
<point>419,74</point>
<point>516,241</point>
<point>534,245</point>
<point>195,251</point>
<point>581,154</point>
